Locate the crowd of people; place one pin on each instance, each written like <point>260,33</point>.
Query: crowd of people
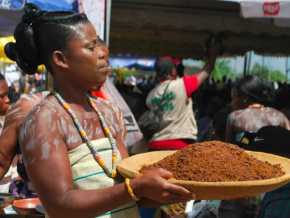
<point>80,132</point>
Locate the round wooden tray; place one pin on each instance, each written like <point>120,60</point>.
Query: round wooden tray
<point>129,168</point>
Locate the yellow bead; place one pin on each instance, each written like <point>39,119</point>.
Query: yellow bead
<point>114,173</point>
<point>65,105</point>
<point>106,129</point>
<point>83,133</point>
<point>102,163</point>
<point>114,158</point>
<point>91,101</point>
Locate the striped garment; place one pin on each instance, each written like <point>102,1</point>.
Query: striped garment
<point>22,188</point>
<point>87,175</point>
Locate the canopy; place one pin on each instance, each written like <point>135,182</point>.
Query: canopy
<point>179,28</point>
<point>154,28</point>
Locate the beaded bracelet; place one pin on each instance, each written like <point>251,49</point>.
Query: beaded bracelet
<point>130,191</point>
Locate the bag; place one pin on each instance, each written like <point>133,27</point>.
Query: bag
<point>149,123</point>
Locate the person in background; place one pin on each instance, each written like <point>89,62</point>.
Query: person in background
<point>81,139</point>
<point>130,80</point>
<point>251,100</point>
<point>109,92</point>
<point>12,76</point>
<point>9,143</point>
<point>5,180</point>
<point>251,104</point>
<point>4,99</point>
<point>178,126</point>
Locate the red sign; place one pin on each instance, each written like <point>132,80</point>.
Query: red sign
<point>271,8</point>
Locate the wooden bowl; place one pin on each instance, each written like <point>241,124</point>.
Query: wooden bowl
<point>26,206</point>
<point>129,168</point>
<point>6,199</point>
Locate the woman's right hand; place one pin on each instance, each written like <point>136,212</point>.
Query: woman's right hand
<point>154,185</point>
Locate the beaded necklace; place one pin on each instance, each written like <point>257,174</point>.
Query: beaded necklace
<point>84,136</point>
<point>255,106</point>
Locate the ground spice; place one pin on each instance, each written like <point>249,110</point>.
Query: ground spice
<point>216,161</point>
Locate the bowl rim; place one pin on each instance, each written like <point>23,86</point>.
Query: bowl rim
<point>129,168</point>
<point>31,200</point>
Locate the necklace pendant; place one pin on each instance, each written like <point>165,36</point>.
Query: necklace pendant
<point>256,106</point>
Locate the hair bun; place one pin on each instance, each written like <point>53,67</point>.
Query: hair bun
<point>32,12</point>
<point>10,50</point>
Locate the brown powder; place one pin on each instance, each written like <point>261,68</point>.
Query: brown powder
<point>216,161</point>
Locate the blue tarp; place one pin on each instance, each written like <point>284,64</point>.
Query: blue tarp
<point>140,67</point>
<point>47,5</point>
<point>12,4</point>
<point>11,11</point>
<point>50,5</point>
<point>146,64</point>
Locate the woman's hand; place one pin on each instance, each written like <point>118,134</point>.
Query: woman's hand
<point>154,185</point>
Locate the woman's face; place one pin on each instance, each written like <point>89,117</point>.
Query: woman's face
<point>85,58</point>
<point>4,100</point>
<point>104,51</point>
<point>237,102</point>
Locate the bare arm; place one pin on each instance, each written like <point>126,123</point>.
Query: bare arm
<point>9,139</point>
<point>230,134</point>
<point>207,69</point>
<point>287,124</point>
<point>8,145</point>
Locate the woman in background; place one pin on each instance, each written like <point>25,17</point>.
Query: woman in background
<point>251,98</point>
<point>6,177</point>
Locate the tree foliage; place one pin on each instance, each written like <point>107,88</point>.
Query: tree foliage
<point>223,68</point>
<point>268,76</point>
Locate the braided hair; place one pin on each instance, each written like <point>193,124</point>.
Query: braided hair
<point>254,88</point>
<point>39,34</point>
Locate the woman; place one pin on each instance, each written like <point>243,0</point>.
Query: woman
<point>4,99</point>
<point>5,179</point>
<point>9,143</point>
<point>250,100</point>
<point>60,134</point>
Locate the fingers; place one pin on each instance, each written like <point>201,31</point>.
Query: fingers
<point>179,195</point>
<point>166,174</point>
<point>173,188</point>
<point>182,191</point>
<point>155,186</point>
